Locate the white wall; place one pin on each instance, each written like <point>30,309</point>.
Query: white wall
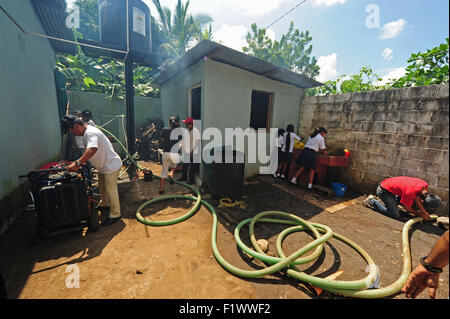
<point>227,101</point>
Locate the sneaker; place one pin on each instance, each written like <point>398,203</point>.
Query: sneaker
<point>282,176</point>
<point>274,175</point>
<point>294,181</point>
<point>367,201</point>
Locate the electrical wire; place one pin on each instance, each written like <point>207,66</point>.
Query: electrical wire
<point>286,14</point>
<point>57,39</point>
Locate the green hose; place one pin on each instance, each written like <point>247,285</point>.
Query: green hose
<point>322,233</point>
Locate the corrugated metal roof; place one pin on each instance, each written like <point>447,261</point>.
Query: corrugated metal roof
<point>223,54</point>
<point>52,14</point>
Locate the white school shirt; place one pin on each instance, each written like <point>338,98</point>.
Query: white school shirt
<point>279,141</point>
<point>80,140</point>
<point>293,137</point>
<point>316,143</point>
<point>105,160</point>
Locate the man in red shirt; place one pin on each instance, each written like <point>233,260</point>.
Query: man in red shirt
<point>407,191</point>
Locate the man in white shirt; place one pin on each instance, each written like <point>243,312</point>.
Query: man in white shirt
<point>86,116</point>
<point>191,147</point>
<point>100,153</point>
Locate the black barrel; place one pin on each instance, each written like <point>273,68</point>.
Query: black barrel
<point>225,179</point>
<point>113,25</point>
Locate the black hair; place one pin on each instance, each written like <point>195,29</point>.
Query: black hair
<point>318,131</point>
<point>69,121</point>
<point>280,132</point>
<point>86,113</point>
<point>289,129</point>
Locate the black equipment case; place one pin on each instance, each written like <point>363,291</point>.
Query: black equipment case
<point>62,200</point>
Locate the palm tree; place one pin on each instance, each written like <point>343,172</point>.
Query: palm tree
<point>181,29</point>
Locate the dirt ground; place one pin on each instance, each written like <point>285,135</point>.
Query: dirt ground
<point>131,260</point>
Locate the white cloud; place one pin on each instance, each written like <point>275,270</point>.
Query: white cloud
<point>393,74</point>
<point>231,36</point>
<point>328,65</point>
<point>328,3</point>
<point>393,29</point>
<point>387,54</point>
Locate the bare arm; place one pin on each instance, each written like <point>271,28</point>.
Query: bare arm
<point>421,278</point>
<point>88,153</point>
<point>439,254</point>
<point>422,212</point>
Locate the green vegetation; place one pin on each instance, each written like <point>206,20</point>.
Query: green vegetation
<point>292,52</point>
<point>171,36</point>
<point>427,68</point>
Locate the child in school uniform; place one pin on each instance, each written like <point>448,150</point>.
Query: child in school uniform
<point>289,138</point>
<point>307,159</point>
<point>278,147</point>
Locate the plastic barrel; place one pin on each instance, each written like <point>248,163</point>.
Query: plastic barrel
<point>225,179</point>
<point>339,189</point>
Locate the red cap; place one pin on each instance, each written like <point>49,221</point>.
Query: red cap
<point>189,120</point>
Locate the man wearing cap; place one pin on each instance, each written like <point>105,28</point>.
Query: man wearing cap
<point>191,147</point>
<point>412,193</point>
<point>100,153</point>
<point>86,116</point>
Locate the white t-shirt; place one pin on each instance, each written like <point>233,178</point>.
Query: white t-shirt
<point>279,141</point>
<point>316,143</point>
<point>105,160</point>
<point>80,140</point>
<point>293,137</point>
<point>194,141</point>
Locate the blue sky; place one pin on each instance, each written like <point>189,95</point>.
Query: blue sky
<point>342,42</point>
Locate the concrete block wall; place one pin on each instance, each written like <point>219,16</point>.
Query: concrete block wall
<point>389,133</point>
<point>105,109</point>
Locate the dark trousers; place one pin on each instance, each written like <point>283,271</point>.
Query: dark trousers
<point>192,168</point>
<point>389,205</point>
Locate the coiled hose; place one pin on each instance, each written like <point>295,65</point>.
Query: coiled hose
<point>322,233</point>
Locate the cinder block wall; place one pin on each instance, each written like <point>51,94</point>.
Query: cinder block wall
<point>389,133</point>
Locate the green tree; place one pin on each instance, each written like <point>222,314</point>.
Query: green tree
<point>89,26</point>
<point>179,28</point>
<point>293,51</point>
<point>428,68</point>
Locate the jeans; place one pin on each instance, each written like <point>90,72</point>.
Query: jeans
<point>389,205</point>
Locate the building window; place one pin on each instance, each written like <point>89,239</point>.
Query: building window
<point>196,103</point>
<point>261,108</point>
